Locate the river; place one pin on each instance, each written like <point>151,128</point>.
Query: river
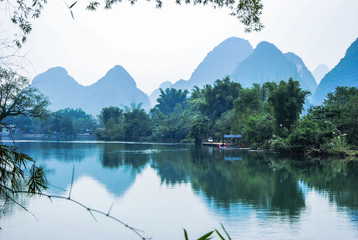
<point>164,188</point>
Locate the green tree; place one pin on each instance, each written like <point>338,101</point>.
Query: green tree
<point>66,121</point>
<point>112,118</point>
<point>172,116</point>
<point>111,112</point>
<point>258,129</point>
<point>223,125</point>
<point>213,101</point>
<point>340,109</point>
<point>173,127</point>
<point>310,132</point>
<point>248,102</point>
<point>169,99</point>
<point>131,124</point>
<point>287,101</point>
<point>199,128</point>
<point>17,98</point>
<point>252,114</point>
<point>137,123</point>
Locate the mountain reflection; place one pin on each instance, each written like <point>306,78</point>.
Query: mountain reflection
<point>262,181</point>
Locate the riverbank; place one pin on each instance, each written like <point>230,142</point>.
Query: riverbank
<point>48,137</point>
<point>332,153</point>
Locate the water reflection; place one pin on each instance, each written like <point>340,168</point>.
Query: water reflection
<point>251,180</point>
<point>262,180</point>
<point>229,182</point>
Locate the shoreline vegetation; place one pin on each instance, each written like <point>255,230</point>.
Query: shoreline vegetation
<point>309,153</point>
<point>270,117</point>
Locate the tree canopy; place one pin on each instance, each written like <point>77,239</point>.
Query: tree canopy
<point>213,101</point>
<point>287,101</point>
<point>169,99</point>
<point>18,98</point>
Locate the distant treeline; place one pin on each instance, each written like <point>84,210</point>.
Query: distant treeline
<point>267,116</point>
<point>63,122</point>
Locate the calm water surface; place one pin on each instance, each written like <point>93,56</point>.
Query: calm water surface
<point>163,188</point>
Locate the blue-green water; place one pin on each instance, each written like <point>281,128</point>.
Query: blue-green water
<point>163,188</point>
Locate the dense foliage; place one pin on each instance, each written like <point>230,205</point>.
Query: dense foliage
<point>63,122</point>
<point>131,124</point>
<point>267,116</point>
<point>18,170</point>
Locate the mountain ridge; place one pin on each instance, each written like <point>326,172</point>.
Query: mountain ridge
<point>345,73</point>
<point>115,88</point>
<point>268,64</point>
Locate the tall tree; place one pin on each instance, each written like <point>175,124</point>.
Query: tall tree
<point>287,101</point>
<point>169,98</point>
<point>215,100</point>
<point>252,116</point>
<point>137,124</point>
<point>110,112</point>
<point>199,128</point>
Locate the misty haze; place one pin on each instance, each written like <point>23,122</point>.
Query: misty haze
<point>179,120</point>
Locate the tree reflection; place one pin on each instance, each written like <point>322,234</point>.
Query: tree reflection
<point>128,155</point>
<point>251,180</point>
<point>335,177</point>
<point>264,181</point>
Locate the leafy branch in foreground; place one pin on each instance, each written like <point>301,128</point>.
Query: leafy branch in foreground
<point>208,235</point>
<point>13,165</point>
<point>247,11</point>
<point>22,12</point>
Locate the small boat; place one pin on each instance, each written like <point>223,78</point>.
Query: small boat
<point>228,147</point>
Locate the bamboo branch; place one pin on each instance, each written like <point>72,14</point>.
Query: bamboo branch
<point>90,210</point>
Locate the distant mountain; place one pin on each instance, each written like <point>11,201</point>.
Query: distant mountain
<point>61,89</point>
<point>308,81</point>
<point>268,63</point>
<point>344,74</point>
<point>156,93</point>
<point>116,88</point>
<point>219,63</point>
<point>320,71</point>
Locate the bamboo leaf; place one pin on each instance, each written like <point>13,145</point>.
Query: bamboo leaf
<point>206,236</point>
<point>73,4</point>
<point>72,15</point>
<point>186,235</point>
<point>225,231</point>
<point>218,233</point>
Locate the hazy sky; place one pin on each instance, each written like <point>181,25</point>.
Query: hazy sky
<point>157,45</point>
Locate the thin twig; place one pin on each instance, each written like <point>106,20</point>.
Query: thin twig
<point>91,210</point>
<point>73,174</point>
<point>3,206</point>
<point>110,209</point>
<point>19,204</point>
